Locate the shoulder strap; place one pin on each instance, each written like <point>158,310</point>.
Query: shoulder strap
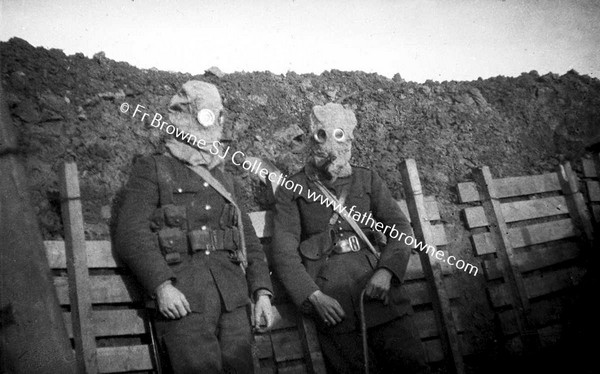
<point>341,201</point>
<point>163,176</point>
<point>214,183</point>
<point>342,212</point>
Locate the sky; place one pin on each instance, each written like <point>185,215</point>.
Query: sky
<point>418,39</point>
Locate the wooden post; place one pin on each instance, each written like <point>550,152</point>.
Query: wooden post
<point>77,269</point>
<point>33,337</point>
<point>575,202</point>
<point>310,345</point>
<point>500,239</point>
<point>431,267</point>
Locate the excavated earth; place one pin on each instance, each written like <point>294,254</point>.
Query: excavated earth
<point>67,108</point>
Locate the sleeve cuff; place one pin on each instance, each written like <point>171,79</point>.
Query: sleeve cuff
<point>262,292</point>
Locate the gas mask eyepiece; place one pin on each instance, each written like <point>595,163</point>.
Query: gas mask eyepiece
<point>206,117</point>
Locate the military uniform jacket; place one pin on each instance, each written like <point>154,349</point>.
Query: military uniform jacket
<point>300,219</point>
<point>137,244</point>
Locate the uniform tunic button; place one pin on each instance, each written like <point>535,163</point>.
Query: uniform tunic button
<point>203,228</point>
<point>205,184</point>
<point>207,207</point>
<point>180,190</point>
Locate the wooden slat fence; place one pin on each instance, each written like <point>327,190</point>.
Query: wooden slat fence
<point>107,319</point>
<point>530,232</point>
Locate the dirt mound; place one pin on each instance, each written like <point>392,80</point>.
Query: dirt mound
<point>68,108</point>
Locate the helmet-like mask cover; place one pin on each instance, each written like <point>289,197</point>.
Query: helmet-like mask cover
<point>197,109</point>
<point>332,131</point>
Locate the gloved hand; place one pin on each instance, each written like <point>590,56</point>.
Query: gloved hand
<point>262,312</point>
<point>171,302</point>
<point>329,309</point>
<point>378,286</point>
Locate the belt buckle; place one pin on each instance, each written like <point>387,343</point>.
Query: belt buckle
<point>354,243</point>
<point>211,247</point>
<point>341,246</point>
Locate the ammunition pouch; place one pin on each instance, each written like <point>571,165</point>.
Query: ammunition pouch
<point>169,215</point>
<point>175,215</point>
<point>172,241</point>
<point>317,245</point>
<point>314,251</point>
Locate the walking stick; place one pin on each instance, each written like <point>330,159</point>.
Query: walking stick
<point>363,328</point>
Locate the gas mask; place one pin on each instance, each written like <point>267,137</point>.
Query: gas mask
<point>196,109</point>
<point>330,143</point>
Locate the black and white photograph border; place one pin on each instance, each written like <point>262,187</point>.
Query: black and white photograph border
<point>481,119</point>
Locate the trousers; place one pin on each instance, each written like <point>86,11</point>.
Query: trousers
<point>210,341</point>
<point>394,347</point>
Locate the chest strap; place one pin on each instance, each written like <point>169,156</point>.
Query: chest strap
<point>342,212</point>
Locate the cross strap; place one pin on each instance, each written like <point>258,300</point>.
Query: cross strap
<point>347,217</point>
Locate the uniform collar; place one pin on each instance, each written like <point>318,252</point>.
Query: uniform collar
<point>313,174</point>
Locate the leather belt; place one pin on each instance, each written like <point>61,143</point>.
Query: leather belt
<point>213,240</point>
<point>351,244</point>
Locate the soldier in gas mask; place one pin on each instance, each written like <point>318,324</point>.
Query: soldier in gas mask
<point>324,261</point>
<point>195,253</point>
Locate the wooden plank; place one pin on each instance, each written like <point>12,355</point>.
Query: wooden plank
<point>490,195</point>
<point>546,283</point>
<point>534,208</point>
<point>475,217</point>
<point>432,211</point>
<point>593,190</point>
<point>433,350</point>
<point>467,192</point>
<point>570,188</point>
<point>551,336</point>
<point>286,345</point>
<point>551,254</point>
<point>543,312</point>
<point>414,269</point>
<point>297,368</point>
<point>311,346</point>
<point>122,359</point>
<point>426,325</point>
<point>263,223</point>
<point>105,289</point>
<point>114,322</point>
<point>527,185</point>
<point>438,232</point>
<point>519,211</point>
<point>76,259</point>
<point>99,254</point>
<point>419,292</point>
<point>589,169</point>
<point>266,370</point>
<point>435,353</point>
<point>483,243</point>
<point>539,285</point>
<point>431,267</point>
<point>541,233</point>
<point>596,212</point>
